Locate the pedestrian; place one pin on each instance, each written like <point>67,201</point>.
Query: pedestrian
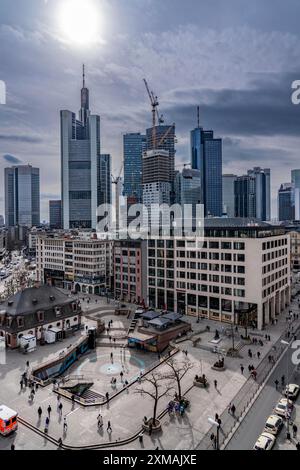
<point>65,424</point>
<point>60,407</point>
<point>49,409</point>
<point>21,384</point>
<point>242,369</point>
<point>100,421</point>
<point>73,400</point>
<point>215,384</point>
<point>233,409</point>
<point>295,430</point>
<point>109,428</point>
<point>282,380</point>
<point>40,411</point>
<point>111,356</point>
<point>276,384</point>
<point>258,355</point>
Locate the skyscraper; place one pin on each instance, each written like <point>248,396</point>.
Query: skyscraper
<point>134,145</point>
<point>253,194</point>
<point>22,196</point>
<point>104,180</point>
<point>55,219</point>
<point>286,205</point>
<point>206,156</point>
<point>228,195</point>
<point>262,191</point>
<point>163,138</point>
<point>80,159</point>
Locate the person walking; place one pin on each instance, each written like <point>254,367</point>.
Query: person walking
<point>233,409</point>
<point>242,369</point>
<point>215,384</point>
<point>40,412</point>
<point>109,428</point>
<point>60,408</point>
<point>295,430</point>
<point>49,409</point>
<point>100,421</point>
<point>258,355</point>
<point>276,384</point>
<point>65,424</point>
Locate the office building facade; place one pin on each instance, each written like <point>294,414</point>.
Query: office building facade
<point>253,194</point>
<point>240,274</point>
<point>55,214</point>
<point>286,202</point>
<point>80,159</point>
<point>206,156</point>
<point>22,196</point>
<point>134,144</point>
<point>228,195</point>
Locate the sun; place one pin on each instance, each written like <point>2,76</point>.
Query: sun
<point>79,21</point>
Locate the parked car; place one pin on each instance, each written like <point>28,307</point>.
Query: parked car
<point>292,391</point>
<point>273,424</point>
<point>265,441</point>
<point>283,407</point>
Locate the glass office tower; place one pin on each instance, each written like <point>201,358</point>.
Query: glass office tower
<point>134,145</point>
<point>22,196</point>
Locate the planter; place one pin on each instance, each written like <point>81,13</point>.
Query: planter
<point>220,369</point>
<point>197,383</point>
<point>155,427</point>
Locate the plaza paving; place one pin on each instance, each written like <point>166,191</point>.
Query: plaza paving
<point>126,411</point>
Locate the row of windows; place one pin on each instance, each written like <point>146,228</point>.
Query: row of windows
<point>274,243</point>
<point>274,254</point>
<point>275,287</point>
<point>273,277</point>
<point>273,266</point>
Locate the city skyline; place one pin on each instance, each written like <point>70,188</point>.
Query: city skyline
<point>243,88</point>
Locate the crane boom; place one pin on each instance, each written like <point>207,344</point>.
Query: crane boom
<point>154,103</point>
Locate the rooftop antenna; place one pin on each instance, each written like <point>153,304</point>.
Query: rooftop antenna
<point>83,75</point>
<point>198,116</point>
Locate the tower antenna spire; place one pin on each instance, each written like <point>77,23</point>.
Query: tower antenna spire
<point>198,116</point>
<point>83,75</point>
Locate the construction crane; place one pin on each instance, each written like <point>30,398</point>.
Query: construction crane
<point>165,135</point>
<point>154,103</point>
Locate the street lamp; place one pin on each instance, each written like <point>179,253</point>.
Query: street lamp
<point>215,423</point>
<point>288,436</point>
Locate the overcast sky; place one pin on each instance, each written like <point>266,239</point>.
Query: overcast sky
<point>235,58</point>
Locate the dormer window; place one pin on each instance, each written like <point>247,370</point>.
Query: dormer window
<point>34,301</point>
<point>20,321</point>
<point>58,311</point>
<point>40,316</point>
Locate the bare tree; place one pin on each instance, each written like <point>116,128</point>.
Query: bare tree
<point>159,387</point>
<point>178,371</point>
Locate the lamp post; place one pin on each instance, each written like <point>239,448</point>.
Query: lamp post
<point>215,423</point>
<point>288,436</point>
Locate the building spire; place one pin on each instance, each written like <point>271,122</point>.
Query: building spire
<point>83,76</point>
<point>198,116</point>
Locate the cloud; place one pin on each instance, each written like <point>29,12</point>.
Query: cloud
<point>12,159</point>
<point>21,138</point>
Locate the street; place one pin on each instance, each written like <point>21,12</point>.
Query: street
<point>254,422</point>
